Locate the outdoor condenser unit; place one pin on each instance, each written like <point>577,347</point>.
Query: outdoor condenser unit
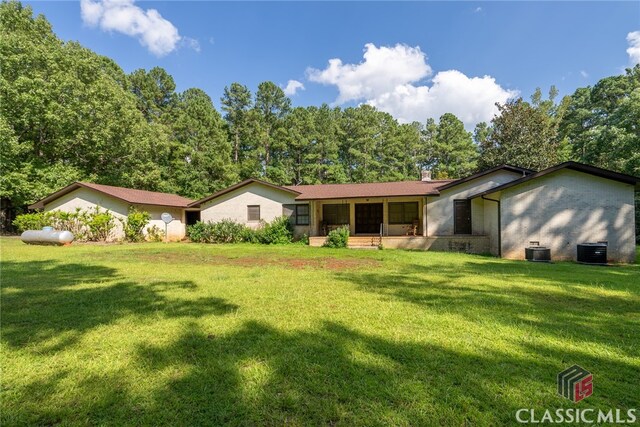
<point>592,253</point>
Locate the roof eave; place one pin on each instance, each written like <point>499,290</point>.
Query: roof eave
<point>515,169</point>
<point>40,204</point>
<point>368,197</point>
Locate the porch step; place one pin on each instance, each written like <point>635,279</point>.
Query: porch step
<point>375,248</point>
<point>363,242</point>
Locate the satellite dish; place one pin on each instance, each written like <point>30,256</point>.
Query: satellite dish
<point>166,217</point>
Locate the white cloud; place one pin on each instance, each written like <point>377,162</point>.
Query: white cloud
<point>292,87</point>
<point>389,79</point>
<point>381,71</point>
<point>478,9</point>
<point>153,31</point>
<point>191,43</point>
<point>634,47</point>
<point>584,74</point>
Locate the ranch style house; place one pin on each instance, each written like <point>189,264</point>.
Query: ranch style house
<point>500,211</point>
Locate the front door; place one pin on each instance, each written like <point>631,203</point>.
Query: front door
<point>368,218</point>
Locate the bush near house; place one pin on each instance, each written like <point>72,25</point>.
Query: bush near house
<point>134,225</point>
<point>155,234</point>
<point>279,231</point>
<point>337,238</point>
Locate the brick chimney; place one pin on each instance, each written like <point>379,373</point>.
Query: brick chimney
<point>426,175</point>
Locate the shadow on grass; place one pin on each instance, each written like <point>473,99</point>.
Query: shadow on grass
<point>593,304</point>
<point>46,300</point>
<point>332,375</point>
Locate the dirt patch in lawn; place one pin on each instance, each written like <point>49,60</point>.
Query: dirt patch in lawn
<point>330,263</point>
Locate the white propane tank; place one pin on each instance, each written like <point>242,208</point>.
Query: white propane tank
<point>47,236</point>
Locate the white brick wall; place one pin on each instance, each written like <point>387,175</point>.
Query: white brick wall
<point>440,209</point>
<point>565,208</point>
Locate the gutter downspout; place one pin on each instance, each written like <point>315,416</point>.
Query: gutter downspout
<point>499,224</point>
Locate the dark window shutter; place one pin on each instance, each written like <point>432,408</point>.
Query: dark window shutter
<point>253,212</point>
<point>462,216</point>
<point>302,214</point>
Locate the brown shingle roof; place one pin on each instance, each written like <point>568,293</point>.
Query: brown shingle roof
<point>373,189</point>
<point>129,195</point>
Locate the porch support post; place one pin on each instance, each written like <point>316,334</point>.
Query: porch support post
<point>424,217</point>
<point>312,218</point>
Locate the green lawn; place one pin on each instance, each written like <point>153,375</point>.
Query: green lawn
<point>182,334</point>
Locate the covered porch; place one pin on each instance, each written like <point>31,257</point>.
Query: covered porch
<point>399,223</point>
<point>381,217</point>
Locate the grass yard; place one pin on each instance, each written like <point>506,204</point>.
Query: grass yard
<point>183,334</point>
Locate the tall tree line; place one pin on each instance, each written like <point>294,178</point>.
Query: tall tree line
<point>69,114</point>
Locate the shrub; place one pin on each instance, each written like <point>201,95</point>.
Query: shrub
<point>337,238</point>
<point>33,221</point>
<point>100,224</point>
<point>249,235</point>
<point>278,231</point>
<point>134,225</point>
<point>197,232</point>
<point>155,234</point>
<point>75,222</point>
<point>225,231</point>
<point>228,231</point>
<point>303,240</point>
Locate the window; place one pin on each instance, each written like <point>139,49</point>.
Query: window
<point>403,213</point>
<point>335,214</point>
<point>462,216</point>
<point>302,214</point>
<point>253,213</point>
<point>297,214</point>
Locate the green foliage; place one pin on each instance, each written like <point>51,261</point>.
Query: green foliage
<point>32,221</point>
<point>449,148</point>
<point>601,123</point>
<point>133,225</point>
<point>197,232</point>
<point>224,231</point>
<point>303,240</point>
<point>75,222</point>
<point>637,203</point>
<point>95,225</point>
<point>525,134</point>
<point>338,238</point>
<point>100,224</point>
<point>278,231</point>
<point>155,234</point>
<point>227,231</point>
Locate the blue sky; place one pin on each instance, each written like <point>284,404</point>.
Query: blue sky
<point>423,58</point>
